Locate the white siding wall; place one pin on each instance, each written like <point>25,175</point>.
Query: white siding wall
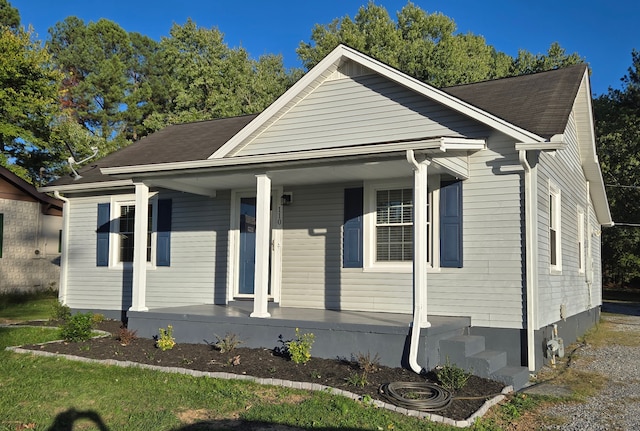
<point>359,110</point>
<point>199,226</point>
<point>567,288</point>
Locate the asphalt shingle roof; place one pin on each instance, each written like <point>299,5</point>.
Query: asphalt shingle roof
<point>540,103</point>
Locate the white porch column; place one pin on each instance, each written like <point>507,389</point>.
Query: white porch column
<point>420,241</point>
<point>263,229</point>
<point>139,279</point>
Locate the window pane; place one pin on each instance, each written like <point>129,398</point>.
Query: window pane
<point>394,230</point>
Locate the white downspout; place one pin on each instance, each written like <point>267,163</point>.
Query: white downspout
<point>419,258</point>
<point>531,257</point>
<point>64,255</point>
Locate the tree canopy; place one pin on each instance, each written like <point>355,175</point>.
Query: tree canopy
<point>28,103</point>
<point>617,115</point>
<point>425,46</point>
<point>97,85</point>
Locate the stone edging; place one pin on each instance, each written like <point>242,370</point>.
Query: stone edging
<point>278,382</point>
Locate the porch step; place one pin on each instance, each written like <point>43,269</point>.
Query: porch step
<point>457,349</point>
<point>468,352</point>
<point>518,377</point>
<point>487,362</point>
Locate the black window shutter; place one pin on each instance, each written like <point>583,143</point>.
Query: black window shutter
<point>352,238</point>
<point>104,228</point>
<point>451,225</point>
<point>163,238</point>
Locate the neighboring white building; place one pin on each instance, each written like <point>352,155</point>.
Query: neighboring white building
<point>30,236</point>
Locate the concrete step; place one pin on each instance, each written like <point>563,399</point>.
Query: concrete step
<point>457,349</point>
<point>487,362</point>
<point>514,376</point>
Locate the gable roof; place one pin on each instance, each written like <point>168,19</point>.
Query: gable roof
<point>539,102</point>
<point>25,187</point>
<point>215,140</point>
<point>327,66</point>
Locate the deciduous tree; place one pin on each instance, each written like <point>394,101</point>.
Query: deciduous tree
<point>617,115</point>
<point>28,102</point>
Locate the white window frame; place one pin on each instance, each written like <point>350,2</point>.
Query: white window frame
<point>555,226</point>
<point>118,202</point>
<point>370,241</point>
<point>581,240</point>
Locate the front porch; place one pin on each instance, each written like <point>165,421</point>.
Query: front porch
<point>337,333</point>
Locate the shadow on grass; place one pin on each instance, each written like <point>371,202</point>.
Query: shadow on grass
<point>65,422</point>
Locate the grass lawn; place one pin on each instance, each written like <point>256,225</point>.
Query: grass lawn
<point>56,394</point>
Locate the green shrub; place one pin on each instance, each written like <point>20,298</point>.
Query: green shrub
<point>77,327</point>
<point>299,350</point>
<point>451,376</point>
<point>358,379</point>
<point>59,311</point>
<point>165,340</point>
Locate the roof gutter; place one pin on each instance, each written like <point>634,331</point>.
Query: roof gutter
<point>442,143</point>
<point>103,185</point>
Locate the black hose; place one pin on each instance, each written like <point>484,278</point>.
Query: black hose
<point>425,397</point>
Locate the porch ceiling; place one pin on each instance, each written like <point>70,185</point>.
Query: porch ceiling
<point>207,182</point>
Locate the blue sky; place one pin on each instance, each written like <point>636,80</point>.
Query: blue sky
<point>604,32</point>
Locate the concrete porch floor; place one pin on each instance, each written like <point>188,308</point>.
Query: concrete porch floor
<point>338,334</point>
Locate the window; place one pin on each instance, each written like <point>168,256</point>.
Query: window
<point>389,221</point>
<point>581,249</point>
<point>126,227</point>
<point>394,225</point>
<point>555,239</point>
<point>116,232</point>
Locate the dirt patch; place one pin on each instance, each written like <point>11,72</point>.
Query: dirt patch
<point>267,363</point>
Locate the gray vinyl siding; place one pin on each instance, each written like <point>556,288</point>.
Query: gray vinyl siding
<point>356,111</point>
<point>567,288</point>
<point>488,287</point>
<point>199,241</point>
<point>199,228</point>
<point>89,286</point>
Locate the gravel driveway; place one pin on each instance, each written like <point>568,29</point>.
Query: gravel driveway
<point>617,405</point>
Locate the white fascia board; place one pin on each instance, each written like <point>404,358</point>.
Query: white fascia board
<point>104,185</point>
<point>462,144</point>
<point>181,187</point>
<point>550,145</point>
<point>362,150</point>
<point>332,60</point>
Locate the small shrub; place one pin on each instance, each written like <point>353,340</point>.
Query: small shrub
<point>77,327</point>
<point>366,363</point>
<point>358,379</point>
<point>166,341</point>
<point>59,311</point>
<point>451,376</point>
<point>299,350</point>
<point>227,343</point>
<point>97,318</point>
<point>126,336</point>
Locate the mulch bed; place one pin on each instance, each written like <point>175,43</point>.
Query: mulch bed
<point>266,363</point>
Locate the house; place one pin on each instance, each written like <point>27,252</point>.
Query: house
<point>30,232</point>
<point>360,204</point>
